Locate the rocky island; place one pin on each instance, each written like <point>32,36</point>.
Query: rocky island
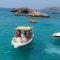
<point>28,12</point>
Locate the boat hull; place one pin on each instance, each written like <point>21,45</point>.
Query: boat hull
<point>32,21</point>
<point>17,45</point>
<point>56,34</point>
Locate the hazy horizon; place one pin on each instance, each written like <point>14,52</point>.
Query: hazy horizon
<point>35,4</point>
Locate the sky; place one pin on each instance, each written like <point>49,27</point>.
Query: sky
<point>35,4</point>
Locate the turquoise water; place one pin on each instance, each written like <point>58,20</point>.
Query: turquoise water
<point>43,46</point>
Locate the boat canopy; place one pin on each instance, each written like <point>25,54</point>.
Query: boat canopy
<point>24,27</point>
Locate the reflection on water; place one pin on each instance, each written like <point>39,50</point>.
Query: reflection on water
<point>22,53</point>
<point>57,41</point>
<point>53,50</point>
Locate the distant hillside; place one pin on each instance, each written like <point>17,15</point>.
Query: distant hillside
<point>54,10</point>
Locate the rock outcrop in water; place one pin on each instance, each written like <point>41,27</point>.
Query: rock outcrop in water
<point>28,12</point>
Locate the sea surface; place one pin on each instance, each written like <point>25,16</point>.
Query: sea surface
<point>43,47</point>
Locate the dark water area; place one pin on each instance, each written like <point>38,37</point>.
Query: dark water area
<point>43,46</point>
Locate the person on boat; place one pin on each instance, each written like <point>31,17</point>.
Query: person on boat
<point>28,34</point>
<point>25,33</point>
<point>18,33</point>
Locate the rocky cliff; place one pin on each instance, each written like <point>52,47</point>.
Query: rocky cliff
<point>28,12</point>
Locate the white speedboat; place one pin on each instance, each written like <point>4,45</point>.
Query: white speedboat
<point>56,34</point>
<point>21,41</point>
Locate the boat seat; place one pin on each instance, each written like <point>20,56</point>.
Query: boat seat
<point>23,38</point>
<point>17,40</point>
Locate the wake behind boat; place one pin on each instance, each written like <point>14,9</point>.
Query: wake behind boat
<point>22,39</point>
